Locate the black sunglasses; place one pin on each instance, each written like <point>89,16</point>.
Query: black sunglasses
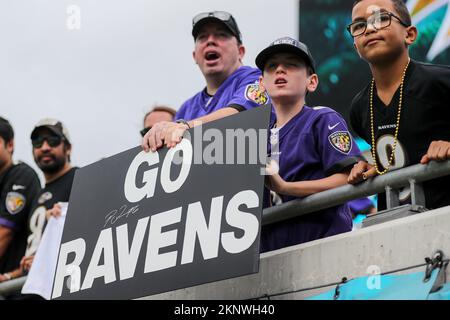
<point>144,131</point>
<point>53,141</point>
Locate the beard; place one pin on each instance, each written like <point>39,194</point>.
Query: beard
<point>53,166</point>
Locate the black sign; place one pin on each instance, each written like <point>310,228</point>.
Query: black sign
<point>145,223</point>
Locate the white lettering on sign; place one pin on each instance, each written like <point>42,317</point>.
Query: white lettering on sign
<point>115,247</point>
<point>149,179</point>
<point>157,239</point>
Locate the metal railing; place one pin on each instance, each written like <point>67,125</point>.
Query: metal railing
<point>13,286</point>
<point>392,180</point>
<point>333,197</point>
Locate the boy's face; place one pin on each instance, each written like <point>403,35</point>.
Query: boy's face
<point>285,76</point>
<point>383,44</point>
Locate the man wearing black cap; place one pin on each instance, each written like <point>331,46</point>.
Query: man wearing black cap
<point>19,187</point>
<point>51,151</point>
<point>230,86</point>
<point>314,148</point>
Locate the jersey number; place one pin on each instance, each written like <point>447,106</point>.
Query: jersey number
<point>384,147</point>
<point>37,222</point>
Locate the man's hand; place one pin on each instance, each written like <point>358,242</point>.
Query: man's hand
<point>173,134</point>
<point>153,138</point>
<point>26,262</point>
<point>438,150</point>
<point>164,132</point>
<point>53,212</point>
<point>361,171</point>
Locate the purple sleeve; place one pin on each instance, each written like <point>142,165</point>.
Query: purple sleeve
<point>337,148</point>
<point>180,114</point>
<point>248,93</point>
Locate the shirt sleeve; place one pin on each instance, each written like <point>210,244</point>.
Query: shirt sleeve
<point>336,145</point>
<point>17,195</point>
<point>180,114</point>
<point>248,93</point>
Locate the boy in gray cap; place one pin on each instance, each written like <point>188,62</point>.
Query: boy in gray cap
<point>314,148</point>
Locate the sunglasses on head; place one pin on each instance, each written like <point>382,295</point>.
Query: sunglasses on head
<point>53,141</point>
<point>145,130</point>
<point>221,15</point>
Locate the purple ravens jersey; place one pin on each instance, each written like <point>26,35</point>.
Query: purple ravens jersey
<point>313,145</point>
<point>241,89</point>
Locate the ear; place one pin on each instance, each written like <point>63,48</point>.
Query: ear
<point>68,149</point>
<point>241,49</point>
<point>313,83</point>
<point>194,57</point>
<point>262,88</point>
<point>10,146</point>
<point>411,35</point>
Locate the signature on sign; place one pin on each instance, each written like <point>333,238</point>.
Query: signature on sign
<point>122,212</point>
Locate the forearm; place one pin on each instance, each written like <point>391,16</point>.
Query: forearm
<point>17,273</point>
<point>219,114</point>
<point>306,188</point>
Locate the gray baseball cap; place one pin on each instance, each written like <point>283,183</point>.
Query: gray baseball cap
<point>221,16</point>
<point>55,126</point>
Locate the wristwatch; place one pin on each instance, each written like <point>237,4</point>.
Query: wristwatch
<point>183,122</point>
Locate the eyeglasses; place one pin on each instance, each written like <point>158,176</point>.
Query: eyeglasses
<point>145,130</point>
<point>53,141</point>
<point>221,15</point>
<point>379,20</point>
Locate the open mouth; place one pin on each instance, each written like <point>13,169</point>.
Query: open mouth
<point>211,56</point>
<point>280,81</point>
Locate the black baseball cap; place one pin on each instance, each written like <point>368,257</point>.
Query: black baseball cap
<point>285,44</point>
<point>219,16</point>
<point>55,126</point>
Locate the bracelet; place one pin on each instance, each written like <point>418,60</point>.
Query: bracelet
<point>7,276</point>
<point>183,122</point>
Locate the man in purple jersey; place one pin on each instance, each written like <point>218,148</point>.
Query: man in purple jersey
<point>313,145</point>
<point>230,86</point>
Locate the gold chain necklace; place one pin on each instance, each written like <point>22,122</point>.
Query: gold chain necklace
<point>391,158</point>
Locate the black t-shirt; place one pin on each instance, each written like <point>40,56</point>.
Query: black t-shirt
<point>425,117</point>
<point>55,191</point>
<point>19,188</point>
